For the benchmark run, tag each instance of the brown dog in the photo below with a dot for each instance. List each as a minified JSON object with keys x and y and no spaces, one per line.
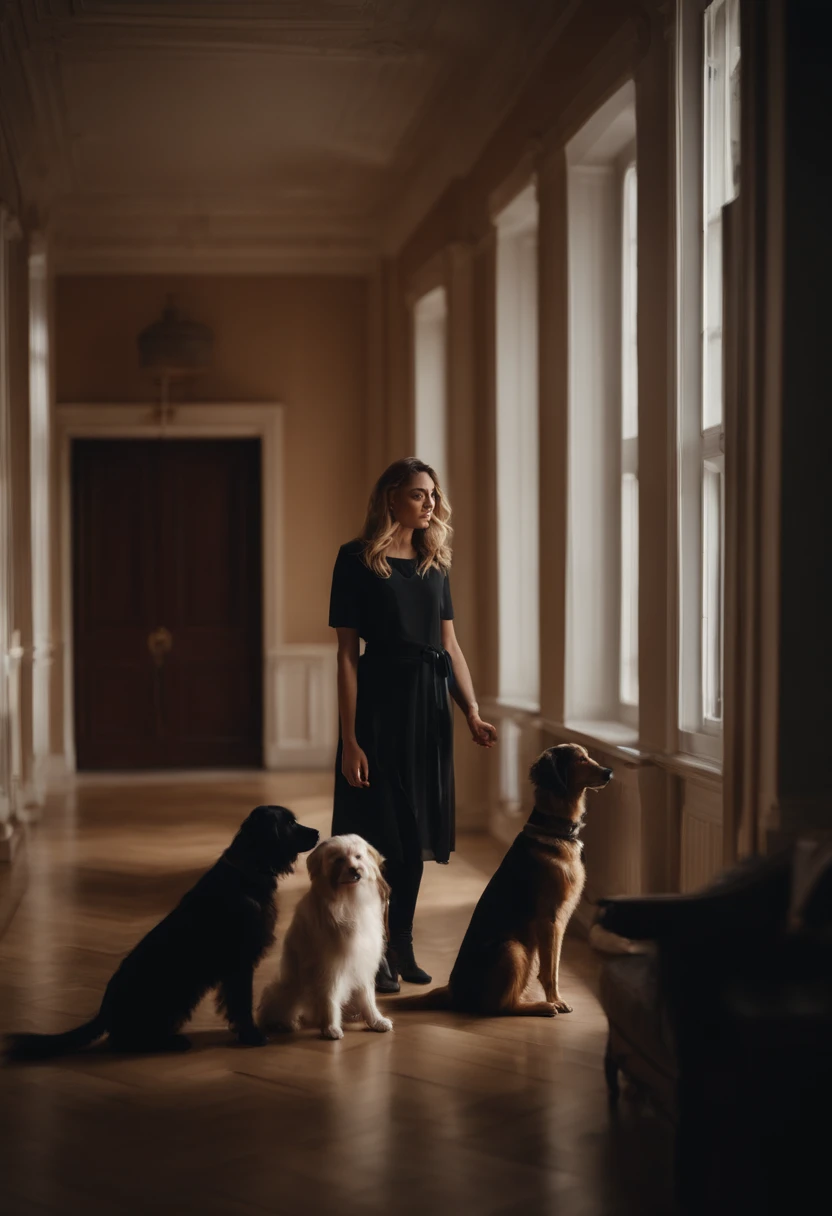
{"x":524,"y":910}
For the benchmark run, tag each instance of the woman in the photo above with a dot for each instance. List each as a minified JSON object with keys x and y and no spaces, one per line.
{"x":394,"y":778}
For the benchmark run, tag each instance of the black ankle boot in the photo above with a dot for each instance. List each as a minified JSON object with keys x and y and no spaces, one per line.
{"x":386,"y":980}
{"x":404,"y":964}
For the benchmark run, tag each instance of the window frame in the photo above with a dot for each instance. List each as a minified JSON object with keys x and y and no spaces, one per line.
{"x":628,"y":707}
{"x":700,"y":447}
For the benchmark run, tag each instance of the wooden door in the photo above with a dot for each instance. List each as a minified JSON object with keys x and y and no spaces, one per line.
{"x":167,"y":603}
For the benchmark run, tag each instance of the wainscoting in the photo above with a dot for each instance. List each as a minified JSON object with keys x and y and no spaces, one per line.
{"x":302,"y":706}
{"x":701,"y":835}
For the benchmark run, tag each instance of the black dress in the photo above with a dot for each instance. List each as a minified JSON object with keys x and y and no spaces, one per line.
{"x":403,"y":719}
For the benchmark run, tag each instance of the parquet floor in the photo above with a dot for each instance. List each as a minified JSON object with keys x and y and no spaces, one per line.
{"x":445,"y":1115}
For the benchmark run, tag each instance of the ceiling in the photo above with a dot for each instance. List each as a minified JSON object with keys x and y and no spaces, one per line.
{"x":253,"y":134}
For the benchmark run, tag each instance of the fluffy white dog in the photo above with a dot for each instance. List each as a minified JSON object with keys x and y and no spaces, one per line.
{"x":334,"y":944}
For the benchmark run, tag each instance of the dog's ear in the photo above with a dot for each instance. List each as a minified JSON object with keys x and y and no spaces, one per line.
{"x":376,"y":856}
{"x":315,"y":861}
{"x":550,"y":771}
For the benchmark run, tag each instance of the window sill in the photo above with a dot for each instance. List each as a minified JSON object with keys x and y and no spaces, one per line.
{"x":691,"y":768}
{"x":702,"y":746}
{"x":517,"y":705}
{"x":615,"y":738}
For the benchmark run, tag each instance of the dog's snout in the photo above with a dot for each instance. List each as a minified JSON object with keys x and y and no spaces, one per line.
{"x":309,"y":837}
{"x":607,"y":774}
{"x":354,"y":873}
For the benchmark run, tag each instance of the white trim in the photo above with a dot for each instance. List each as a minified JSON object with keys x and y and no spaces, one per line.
{"x":227,"y":420}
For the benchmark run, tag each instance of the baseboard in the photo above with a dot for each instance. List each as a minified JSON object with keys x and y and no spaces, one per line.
{"x":504,"y":825}
{"x":301,"y":759}
{"x":14,"y":872}
{"x":469,"y":818}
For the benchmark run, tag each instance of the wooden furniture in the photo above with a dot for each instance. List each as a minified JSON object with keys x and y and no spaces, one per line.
{"x":729,"y":1026}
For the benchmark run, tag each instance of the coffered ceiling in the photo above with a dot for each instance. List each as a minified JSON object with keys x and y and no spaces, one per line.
{"x":256,"y":134}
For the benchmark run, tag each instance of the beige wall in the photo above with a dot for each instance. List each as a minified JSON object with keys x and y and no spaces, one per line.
{"x":300,"y":341}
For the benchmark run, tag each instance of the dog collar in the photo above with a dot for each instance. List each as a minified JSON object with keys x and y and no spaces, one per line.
{"x":552,"y":827}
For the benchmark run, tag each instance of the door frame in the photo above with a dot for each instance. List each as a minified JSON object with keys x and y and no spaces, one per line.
{"x":225,"y":420}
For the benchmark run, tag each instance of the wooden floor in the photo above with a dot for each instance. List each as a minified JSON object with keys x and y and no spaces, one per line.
{"x":445,"y":1115}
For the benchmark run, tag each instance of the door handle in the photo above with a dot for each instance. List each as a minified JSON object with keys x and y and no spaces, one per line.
{"x":159,"y":643}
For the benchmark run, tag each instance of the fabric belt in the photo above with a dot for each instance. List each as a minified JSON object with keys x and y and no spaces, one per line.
{"x":434,"y":657}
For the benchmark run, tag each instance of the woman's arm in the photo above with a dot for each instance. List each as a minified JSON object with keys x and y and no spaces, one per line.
{"x":354,"y":764}
{"x":482,"y":733}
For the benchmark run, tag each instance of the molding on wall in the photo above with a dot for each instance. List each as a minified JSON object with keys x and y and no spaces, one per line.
{"x":301,"y":686}
{"x":701,"y":836}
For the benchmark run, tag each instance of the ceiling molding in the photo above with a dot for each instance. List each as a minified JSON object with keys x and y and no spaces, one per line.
{"x":232,"y":260}
{"x":307,"y":130}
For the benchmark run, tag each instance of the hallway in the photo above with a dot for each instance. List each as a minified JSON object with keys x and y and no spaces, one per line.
{"x":445,"y":1115}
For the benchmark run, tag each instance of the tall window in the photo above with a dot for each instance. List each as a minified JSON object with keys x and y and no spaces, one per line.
{"x":517,"y":451}
{"x":430,"y":381}
{"x":720,"y":182}
{"x":628,"y":658}
{"x":39,"y":468}
{"x":709,"y":109}
{"x":603,"y":541}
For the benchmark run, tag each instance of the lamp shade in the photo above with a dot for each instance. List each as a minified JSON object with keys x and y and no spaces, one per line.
{"x":174,"y":346}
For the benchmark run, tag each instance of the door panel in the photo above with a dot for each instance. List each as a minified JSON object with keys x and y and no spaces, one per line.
{"x":167,"y":536}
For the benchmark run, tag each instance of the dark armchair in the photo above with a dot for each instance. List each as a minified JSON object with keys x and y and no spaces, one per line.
{"x":728,"y":1026}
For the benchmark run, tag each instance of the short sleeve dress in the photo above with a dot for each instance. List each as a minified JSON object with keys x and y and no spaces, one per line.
{"x":403,"y":716}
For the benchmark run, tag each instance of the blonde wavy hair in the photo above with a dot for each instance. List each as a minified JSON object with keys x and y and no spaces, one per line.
{"x":433,"y":544}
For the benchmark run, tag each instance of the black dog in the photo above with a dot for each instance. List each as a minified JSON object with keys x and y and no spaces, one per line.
{"x":214,"y":938}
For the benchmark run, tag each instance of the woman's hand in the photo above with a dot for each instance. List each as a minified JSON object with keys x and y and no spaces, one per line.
{"x":354,"y":765}
{"x":483,"y":733}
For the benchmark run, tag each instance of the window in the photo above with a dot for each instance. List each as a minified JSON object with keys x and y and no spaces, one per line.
{"x":628,"y":653}
{"x":517,"y":452}
{"x":603,"y":524}
{"x":709,"y":166}
{"x":40,"y":395}
{"x":430,"y":381}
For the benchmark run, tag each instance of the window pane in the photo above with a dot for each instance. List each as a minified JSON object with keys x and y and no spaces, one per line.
{"x":713,"y":490}
{"x":720,"y":182}
{"x":517,"y":452}
{"x":629,"y":307}
{"x":430,"y":381}
{"x":629,"y":590}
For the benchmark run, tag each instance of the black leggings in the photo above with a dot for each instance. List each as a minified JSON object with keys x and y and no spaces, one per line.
{"x":405,"y":878}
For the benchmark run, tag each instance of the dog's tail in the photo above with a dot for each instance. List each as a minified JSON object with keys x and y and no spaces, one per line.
{"x":437,"y":998}
{"x":45,"y":1046}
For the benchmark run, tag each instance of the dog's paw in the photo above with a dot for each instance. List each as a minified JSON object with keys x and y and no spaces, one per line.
{"x":331,"y":1032}
{"x":381,"y":1025}
{"x":251,"y":1036}
{"x":285,"y":1027}
{"x":561,"y":1006}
